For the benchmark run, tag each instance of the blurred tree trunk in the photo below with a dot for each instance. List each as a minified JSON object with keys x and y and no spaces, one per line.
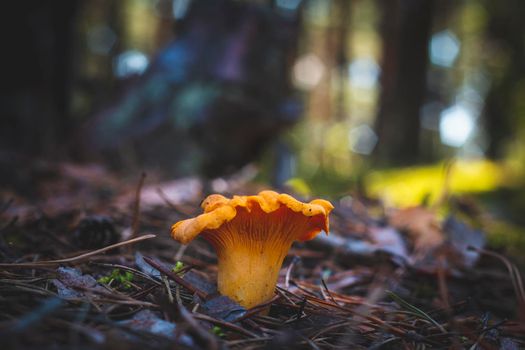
{"x":405,"y":29}
{"x":342,"y":10}
{"x":329,"y":41}
{"x":320,"y":101}
{"x":504,"y":105}
{"x":36,"y":74}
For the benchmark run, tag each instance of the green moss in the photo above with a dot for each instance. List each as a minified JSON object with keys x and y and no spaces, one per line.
{"x":178,"y":267}
{"x":123,"y":278}
{"x":218,"y":331}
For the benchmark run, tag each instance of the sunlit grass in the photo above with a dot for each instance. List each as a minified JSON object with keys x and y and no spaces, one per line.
{"x":411,"y":186}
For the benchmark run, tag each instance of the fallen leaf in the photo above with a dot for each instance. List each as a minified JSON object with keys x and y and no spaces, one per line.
{"x":148,"y":321}
{"x":422,"y":226}
{"x":147,"y":268}
{"x":223,"y":308}
{"x":461,"y":237}
{"x":71,"y":283}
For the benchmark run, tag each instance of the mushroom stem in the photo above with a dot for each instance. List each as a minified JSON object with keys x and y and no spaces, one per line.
{"x":250,"y":277}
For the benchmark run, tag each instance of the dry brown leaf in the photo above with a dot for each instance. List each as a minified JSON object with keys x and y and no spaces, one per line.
{"x":422,"y":226}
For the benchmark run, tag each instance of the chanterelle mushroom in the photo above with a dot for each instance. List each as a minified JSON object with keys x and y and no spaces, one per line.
{"x":252,"y":235}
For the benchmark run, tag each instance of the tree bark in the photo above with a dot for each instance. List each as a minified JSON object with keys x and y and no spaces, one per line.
{"x":504,"y":108}
{"x":405,"y":29}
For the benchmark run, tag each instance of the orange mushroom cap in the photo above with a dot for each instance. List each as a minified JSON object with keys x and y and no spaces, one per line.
{"x":252,"y":235}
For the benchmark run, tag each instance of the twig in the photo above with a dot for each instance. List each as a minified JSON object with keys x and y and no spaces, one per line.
{"x":172,"y":205}
{"x":327,"y":291}
{"x":375,"y":321}
{"x":145,"y":291}
{"x":225,"y":324}
{"x":415,"y":310}
{"x":168,"y":289}
{"x":177,"y":279}
{"x":79,"y":257}
{"x":180,"y":252}
{"x":136,"y":207}
{"x":241,"y":342}
{"x":289,"y":271}
{"x":126,"y":302}
{"x":300,"y":312}
{"x":190,"y":319}
{"x":442,"y":281}
{"x":515,"y":277}
{"x":331,"y":327}
{"x":166,"y":200}
{"x":256,"y":309}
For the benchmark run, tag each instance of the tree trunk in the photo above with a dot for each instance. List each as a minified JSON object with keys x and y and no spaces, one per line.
{"x":504,"y":107}
{"x":405,"y":29}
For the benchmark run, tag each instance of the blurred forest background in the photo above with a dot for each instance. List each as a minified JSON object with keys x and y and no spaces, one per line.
{"x":334,"y":95}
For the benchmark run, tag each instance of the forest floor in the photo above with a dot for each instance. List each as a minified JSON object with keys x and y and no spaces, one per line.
{"x":87,"y":262}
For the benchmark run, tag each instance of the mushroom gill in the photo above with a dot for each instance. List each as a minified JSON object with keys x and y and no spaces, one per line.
{"x":251,"y":236}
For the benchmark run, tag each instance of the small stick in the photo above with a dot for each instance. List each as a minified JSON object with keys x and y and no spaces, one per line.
{"x":376,"y":322}
{"x":256,"y":309}
{"x":166,"y":200}
{"x":327,"y":291}
{"x":224,"y":324}
{"x":172,"y":205}
{"x":136,"y":207}
{"x":81,"y":256}
{"x":515,"y":277}
{"x":168,"y":289}
{"x":177,"y":279}
{"x":180,"y":252}
{"x":190,"y":319}
{"x":442,"y":282}
{"x":289,"y":271}
{"x":300,"y":312}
